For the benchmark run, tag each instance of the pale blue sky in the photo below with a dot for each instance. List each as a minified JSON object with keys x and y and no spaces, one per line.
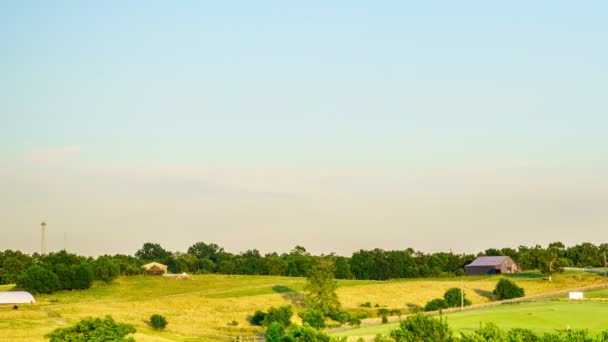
{"x":382,"y":103}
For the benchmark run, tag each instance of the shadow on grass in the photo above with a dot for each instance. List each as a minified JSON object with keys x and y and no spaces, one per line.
{"x":485,"y":293}
{"x":296,"y":298}
{"x":524,"y":275}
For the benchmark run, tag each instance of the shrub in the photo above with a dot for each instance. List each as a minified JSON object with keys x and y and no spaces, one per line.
{"x":257,"y":318}
{"x":313,"y":317}
{"x":158,"y":322}
{"x":354,"y":321}
{"x":274,"y":333}
{"x":423,"y":328}
{"x":94,"y":329}
{"x":384,"y":319}
{"x":383,"y":312}
{"x":459,"y":272}
{"x":523,"y":335}
{"x":506,"y":289}
{"x":453,"y":299}
{"x":436,"y":304}
{"x":38,"y":279}
{"x":306,"y":333}
{"x":233,"y":323}
{"x":341,"y":316}
{"x":281,"y":315}
{"x":366,"y":305}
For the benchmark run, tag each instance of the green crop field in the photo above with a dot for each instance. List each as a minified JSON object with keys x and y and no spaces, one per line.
{"x":200,"y":309}
{"x":542,"y":316}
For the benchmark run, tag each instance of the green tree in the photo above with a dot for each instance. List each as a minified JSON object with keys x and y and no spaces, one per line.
{"x":152,"y":252}
{"x":105,"y":269}
{"x":38,"y":279}
{"x":82,"y":276}
{"x":436,"y":304}
{"x":274,"y":333}
{"x":12,"y":265}
{"x":507,"y":289}
{"x":312,"y":317}
{"x":454,"y":298}
{"x":158,"y":322}
{"x":321,"y":289}
{"x":94,"y":329}
{"x":281,"y":315}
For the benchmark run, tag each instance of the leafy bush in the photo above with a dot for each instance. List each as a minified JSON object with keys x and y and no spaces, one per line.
{"x":233,"y":323}
{"x":384,"y":319}
{"x":341,"y":316}
{"x":94,"y":329}
{"x":281,"y":315}
{"x":257,"y":318}
{"x":314,"y":318}
{"x":158,"y":322}
{"x":366,"y":305}
{"x":306,"y":333}
{"x":38,"y":279}
{"x":436,"y":304}
{"x":523,"y":335}
{"x":354,"y":321}
{"x":453,"y":298}
{"x":274,"y":333}
{"x":423,"y":328}
{"x":506,"y":289}
{"x":459,"y":272}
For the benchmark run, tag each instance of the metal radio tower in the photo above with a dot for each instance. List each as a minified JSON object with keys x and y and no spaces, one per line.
{"x":43,"y":241}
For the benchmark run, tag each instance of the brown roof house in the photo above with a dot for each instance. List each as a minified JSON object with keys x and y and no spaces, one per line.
{"x":154,"y":268}
{"x":491,"y":265}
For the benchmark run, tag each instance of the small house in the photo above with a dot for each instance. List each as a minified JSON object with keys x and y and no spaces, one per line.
{"x":491,"y":265}
{"x":154,"y":268}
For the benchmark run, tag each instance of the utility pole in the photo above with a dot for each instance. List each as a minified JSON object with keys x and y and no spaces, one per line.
{"x":43,"y":239}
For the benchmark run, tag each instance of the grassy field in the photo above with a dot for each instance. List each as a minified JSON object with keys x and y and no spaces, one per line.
{"x":543,"y":316}
{"x":201,"y":309}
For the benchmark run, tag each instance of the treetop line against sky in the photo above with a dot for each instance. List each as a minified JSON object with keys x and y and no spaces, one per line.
{"x":335,"y":126}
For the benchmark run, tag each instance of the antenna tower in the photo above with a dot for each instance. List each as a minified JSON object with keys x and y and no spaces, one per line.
{"x":43,"y":240}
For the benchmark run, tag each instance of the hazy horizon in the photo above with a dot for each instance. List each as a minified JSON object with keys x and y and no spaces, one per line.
{"x":336,"y":126}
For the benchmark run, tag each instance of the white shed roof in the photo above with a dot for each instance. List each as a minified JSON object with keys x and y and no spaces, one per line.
{"x":16,"y":297}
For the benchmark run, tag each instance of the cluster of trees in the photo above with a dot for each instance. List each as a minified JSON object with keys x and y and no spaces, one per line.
{"x":55,"y":271}
{"x":73,"y":271}
{"x":425,"y":328}
{"x":376,"y":264}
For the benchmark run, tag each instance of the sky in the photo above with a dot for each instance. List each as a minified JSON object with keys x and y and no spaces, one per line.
{"x":339,"y":126}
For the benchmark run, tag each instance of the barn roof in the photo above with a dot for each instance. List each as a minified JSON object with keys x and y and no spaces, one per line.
{"x":16,"y":297}
{"x":155,"y":264}
{"x":488,"y":261}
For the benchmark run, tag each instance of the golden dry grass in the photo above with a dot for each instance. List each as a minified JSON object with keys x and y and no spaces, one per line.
{"x":200,"y":310}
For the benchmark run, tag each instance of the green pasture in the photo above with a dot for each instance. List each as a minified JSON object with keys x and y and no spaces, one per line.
{"x":542,"y":316}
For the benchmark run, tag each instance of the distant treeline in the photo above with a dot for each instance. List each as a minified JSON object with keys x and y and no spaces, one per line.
{"x":376,"y":264}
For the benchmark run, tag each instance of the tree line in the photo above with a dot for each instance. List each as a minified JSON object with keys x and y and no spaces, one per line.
{"x":73,"y":271}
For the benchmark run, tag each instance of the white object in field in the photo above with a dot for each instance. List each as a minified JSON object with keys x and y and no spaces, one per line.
{"x":16,"y":297}
{"x":576,"y":295}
